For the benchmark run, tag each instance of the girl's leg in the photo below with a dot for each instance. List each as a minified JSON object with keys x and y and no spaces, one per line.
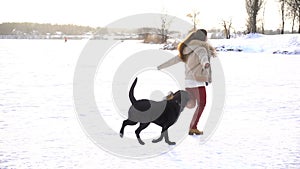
{"x":192,"y":102}
{"x":200,"y":95}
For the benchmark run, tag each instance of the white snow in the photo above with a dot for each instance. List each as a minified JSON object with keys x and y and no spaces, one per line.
{"x":259,"y":128}
{"x":280,"y":44}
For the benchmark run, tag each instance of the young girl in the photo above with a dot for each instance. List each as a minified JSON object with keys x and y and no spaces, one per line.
{"x":195,"y":52}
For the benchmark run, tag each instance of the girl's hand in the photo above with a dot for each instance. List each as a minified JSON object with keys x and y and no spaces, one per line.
{"x":207,"y":65}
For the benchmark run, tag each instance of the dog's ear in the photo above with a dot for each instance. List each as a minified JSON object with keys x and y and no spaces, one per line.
{"x":184,"y":96}
{"x":187,"y":96}
{"x":177,"y":94}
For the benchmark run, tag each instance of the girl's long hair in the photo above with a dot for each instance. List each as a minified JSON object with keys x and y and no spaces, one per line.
{"x":200,"y":34}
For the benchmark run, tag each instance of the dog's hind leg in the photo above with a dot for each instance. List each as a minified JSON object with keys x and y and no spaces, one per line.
{"x":138,"y":131}
{"x":159,"y":139}
{"x":125,"y":123}
{"x":162,"y":135}
{"x":166,"y":135}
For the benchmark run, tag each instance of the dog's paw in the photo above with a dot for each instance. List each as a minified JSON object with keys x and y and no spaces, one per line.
{"x":156,"y":140}
{"x":141,"y":142}
{"x":171,"y":143}
{"x":121,"y":135}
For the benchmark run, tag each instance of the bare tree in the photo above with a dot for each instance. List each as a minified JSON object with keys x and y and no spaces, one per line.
{"x":166,"y":21}
{"x":262,"y":18}
{"x":194,"y":17}
{"x":282,"y":10}
{"x":291,"y":14}
{"x":227,"y":27}
{"x":253,"y":7}
{"x":294,"y":6}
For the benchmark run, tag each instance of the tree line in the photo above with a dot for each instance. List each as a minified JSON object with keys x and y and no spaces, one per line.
{"x":15,"y":28}
{"x":42,"y":29}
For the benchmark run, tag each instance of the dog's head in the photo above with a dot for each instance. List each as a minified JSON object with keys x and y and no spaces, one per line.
{"x":181,"y":97}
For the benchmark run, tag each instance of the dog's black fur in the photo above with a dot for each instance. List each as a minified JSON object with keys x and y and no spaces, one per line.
{"x":164,"y":113}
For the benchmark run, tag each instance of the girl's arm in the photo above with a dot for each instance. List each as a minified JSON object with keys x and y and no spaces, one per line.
{"x":170,"y":62}
{"x":203,"y":57}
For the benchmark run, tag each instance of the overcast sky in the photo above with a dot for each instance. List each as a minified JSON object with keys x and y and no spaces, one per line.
{"x":102,"y":12}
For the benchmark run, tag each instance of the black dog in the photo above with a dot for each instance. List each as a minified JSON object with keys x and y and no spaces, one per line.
{"x":164,"y":113}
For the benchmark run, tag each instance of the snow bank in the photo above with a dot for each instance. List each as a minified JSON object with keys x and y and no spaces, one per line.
{"x":276,"y":44}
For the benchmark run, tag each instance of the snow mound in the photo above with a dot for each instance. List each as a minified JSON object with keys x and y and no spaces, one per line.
{"x":253,"y":35}
{"x":254,"y":43}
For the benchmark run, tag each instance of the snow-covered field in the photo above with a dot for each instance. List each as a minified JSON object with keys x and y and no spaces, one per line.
{"x":256,"y":43}
{"x":259,"y":128}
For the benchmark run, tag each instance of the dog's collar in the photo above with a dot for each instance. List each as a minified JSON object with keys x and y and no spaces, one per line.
{"x":170,"y":96}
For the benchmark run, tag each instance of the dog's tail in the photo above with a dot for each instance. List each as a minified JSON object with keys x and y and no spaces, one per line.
{"x":131,"y":96}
